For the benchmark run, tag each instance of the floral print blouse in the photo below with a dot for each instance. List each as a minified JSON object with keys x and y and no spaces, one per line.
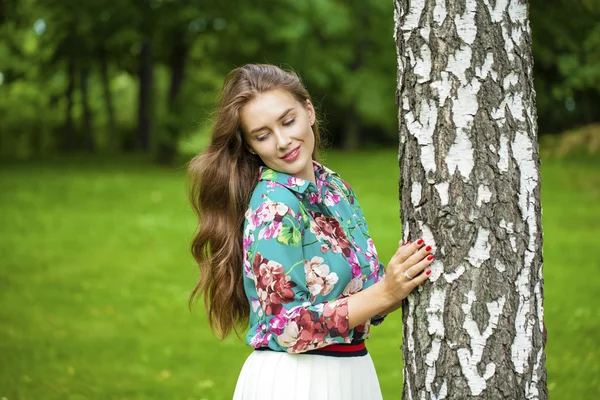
{"x":306,"y":249}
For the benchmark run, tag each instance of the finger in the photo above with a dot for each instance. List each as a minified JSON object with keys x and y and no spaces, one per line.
{"x":418,"y":256}
{"x":408,"y":251}
{"x":420,"y":266}
{"x":396,"y":258}
{"x":419,"y":279}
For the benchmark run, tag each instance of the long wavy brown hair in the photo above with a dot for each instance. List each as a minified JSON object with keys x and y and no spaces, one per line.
{"x":221,"y":181}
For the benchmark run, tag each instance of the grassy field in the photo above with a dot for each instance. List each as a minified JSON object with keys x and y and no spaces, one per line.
{"x":95,"y":274}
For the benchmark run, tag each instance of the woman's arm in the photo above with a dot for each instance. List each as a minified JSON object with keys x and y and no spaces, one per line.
{"x":374,"y":302}
{"x":386,"y":295}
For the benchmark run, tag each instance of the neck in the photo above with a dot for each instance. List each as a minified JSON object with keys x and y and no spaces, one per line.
{"x":308,"y":174}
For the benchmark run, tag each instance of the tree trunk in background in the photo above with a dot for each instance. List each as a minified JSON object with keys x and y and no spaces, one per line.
{"x":146,"y":82}
{"x":470,"y":187}
{"x":113,"y":140}
{"x":351,"y":134}
{"x":88,"y":129}
{"x":167,"y":143}
{"x":68,"y":135}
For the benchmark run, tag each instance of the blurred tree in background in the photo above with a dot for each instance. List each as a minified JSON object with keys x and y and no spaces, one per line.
{"x":143,"y":75}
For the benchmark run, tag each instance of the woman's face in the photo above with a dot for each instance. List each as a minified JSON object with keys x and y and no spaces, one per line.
{"x":278,"y":129}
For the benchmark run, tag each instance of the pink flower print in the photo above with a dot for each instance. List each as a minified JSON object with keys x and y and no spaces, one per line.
{"x":313,"y":198}
{"x":281,"y":209}
{"x":356,"y":269}
{"x":336,"y":317}
{"x":271,"y":214}
{"x":354,"y":286}
{"x":270,"y":231}
{"x":278,"y":323}
{"x":375,"y":267}
{"x":263,"y":297}
{"x":255,"y":304}
{"x":312,"y":327}
{"x":324,"y":248}
{"x":247,"y":241}
{"x":248,"y":267}
{"x":293,"y":181}
{"x":282,"y":293}
{"x":271,"y":184}
{"x":256,"y":340}
{"x":329,"y":229}
{"x":289,"y":336}
{"x":266,"y":211}
{"x":252,"y":218}
{"x":319,"y":279}
{"x":322,"y":182}
{"x":272,"y":279}
{"x":261,"y":338}
{"x":371,"y":252}
{"x":295,"y":311}
{"x":335,"y":247}
{"x":331,"y":198}
{"x":268,"y":270}
{"x":273,"y":287}
{"x":312,"y":330}
{"x":330,"y":281}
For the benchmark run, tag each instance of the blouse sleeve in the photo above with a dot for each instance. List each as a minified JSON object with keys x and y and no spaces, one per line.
{"x":377,"y":269}
{"x":277,"y":284}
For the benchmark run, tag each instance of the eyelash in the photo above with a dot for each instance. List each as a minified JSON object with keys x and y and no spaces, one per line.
{"x":286,"y":123}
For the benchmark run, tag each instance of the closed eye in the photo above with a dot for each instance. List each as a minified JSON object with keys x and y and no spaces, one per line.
{"x":262,"y":137}
{"x":289,"y":122}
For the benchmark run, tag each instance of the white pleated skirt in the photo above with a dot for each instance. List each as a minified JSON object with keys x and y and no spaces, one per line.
{"x":274,"y":375}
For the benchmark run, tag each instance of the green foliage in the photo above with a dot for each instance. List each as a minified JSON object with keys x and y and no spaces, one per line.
{"x":566,"y":50}
{"x":344,"y":51}
{"x":96,"y":273}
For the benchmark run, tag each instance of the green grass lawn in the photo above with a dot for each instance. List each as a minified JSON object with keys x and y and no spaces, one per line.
{"x":95,"y":275}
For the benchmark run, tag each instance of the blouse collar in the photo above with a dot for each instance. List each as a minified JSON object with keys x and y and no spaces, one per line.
{"x":298,"y":185}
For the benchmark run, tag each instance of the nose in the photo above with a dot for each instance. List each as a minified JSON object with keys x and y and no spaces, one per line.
{"x":283,"y":141}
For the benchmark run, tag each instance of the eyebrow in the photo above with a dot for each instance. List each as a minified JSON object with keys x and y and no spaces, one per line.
{"x":278,"y":119}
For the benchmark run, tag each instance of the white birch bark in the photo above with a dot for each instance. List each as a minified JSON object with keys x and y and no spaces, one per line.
{"x":470,"y":187}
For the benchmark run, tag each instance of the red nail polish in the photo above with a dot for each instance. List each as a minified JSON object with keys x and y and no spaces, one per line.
{"x":428,"y":272}
{"x":427,"y":248}
{"x":430,"y":257}
{"x":420,"y":241}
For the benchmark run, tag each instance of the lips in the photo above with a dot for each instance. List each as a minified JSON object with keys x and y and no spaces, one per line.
{"x":291,"y":155}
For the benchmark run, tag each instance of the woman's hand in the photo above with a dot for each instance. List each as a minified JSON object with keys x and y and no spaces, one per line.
{"x":404,"y":273}
{"x":405,"y":270}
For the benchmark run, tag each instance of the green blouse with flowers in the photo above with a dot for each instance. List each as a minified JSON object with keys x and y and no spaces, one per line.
{"x":306,"y":249}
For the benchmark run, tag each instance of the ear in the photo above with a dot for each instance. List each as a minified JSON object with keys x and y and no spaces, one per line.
{"x":312,"y":115}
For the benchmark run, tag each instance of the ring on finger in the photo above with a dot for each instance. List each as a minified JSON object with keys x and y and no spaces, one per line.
{"x":407,"y":276}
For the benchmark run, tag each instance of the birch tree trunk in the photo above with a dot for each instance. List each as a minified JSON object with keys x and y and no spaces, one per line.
{"x":470,"y":187}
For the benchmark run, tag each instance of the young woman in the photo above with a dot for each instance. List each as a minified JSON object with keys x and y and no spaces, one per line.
{"x":283,"y":247}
